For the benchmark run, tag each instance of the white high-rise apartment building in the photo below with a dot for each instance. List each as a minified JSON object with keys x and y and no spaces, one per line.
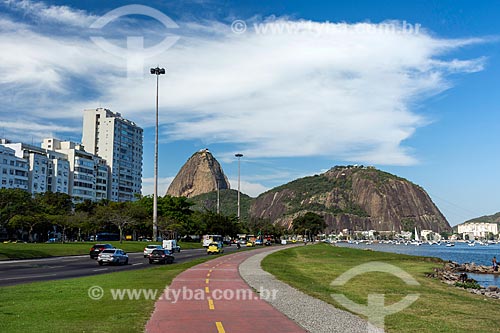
{"x":59,"y":173}
{"x":13,"y":170}
{"x":88,"y":174}
{"x":119,"y":142}
{"x":38,"y":164}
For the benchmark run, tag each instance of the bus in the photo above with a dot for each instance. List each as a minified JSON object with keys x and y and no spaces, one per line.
{"x":107,"y":236}
{"x":207,"y":239}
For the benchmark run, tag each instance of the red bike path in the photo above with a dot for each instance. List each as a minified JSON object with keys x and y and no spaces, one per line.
{"x":212,"y":297}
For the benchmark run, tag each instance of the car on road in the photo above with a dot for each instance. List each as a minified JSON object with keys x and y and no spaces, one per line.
{"x":98,"y":248}
{"x":161,"y":256}
{"x":215,"y":248}
{"x":268,"y":243}
{"x":250,"y":244}
{"x":258,"y":242}
{"x":112,"y":257}
{"x":150,"y":248}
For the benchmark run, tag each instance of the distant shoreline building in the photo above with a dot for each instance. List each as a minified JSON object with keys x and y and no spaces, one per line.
{"x":119,"y":142}
{"x":477,"y":230}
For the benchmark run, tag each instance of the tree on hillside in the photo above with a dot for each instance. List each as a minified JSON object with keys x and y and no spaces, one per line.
{"x":196,"y":224}
{"x":118,"y":214}
{"x":220,"y":224}
{"x":13,"y":202}
{"x":175,"y":208}
{"x":264,"y":227}
{"x":174,"y":214}
{"x":85,"y":211}
{"x":69,"y":222}
{"x":408,"y":224}
{"x":310,"y":222}
{"x":28,"y":223}
{"x":54,"y":209}
{"x":54,"y":203}
{"x":86,"y":206}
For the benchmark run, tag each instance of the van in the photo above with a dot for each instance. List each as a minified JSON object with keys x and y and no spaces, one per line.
{"x":171,"y":244}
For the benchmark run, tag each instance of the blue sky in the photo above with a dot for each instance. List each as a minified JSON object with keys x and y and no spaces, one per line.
{"x":296,"y":86}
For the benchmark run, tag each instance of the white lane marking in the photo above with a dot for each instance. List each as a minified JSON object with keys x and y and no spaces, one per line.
{"x":99,"y":269}
{"x":140,"y":263}
{"x":4,"y":262}
{"x":27,"y":277}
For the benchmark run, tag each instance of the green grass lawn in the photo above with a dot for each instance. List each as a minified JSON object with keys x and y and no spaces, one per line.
{"x":64,"y":305}
{"x":42,"y":250}
{"x":439,"y":308}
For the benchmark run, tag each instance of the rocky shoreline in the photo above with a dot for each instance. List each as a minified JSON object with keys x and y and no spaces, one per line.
{"x":455,"y":274}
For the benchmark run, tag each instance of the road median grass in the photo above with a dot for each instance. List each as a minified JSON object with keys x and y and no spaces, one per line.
{"x":439,"y":307}
{"x":67,"y":306}
{"x":10,"y":251}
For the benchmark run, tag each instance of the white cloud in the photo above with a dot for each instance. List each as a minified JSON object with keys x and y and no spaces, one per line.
{"x":31,"y":131}
{"x":163,"y":184}
{"x":346,"y":94}
{"x":248,"y":188}
{"x":52,"y":14}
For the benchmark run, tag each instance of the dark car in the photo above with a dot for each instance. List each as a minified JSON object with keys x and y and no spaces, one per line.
{"x":162,"y":256}
{"x":268,"y":243}
{"x":98,"y":248}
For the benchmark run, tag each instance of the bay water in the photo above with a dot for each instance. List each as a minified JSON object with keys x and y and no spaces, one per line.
{"x":460,"y":253}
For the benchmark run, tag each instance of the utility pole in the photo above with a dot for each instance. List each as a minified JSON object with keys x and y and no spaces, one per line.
{"x":239,"y":157}
{"x":156,"y":71}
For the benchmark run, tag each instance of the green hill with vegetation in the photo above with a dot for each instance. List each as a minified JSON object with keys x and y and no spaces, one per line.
{"x":228,"y":203}
{"x":353,"y":198}
{"x":495,"y":218}
{"x":348,"y":197}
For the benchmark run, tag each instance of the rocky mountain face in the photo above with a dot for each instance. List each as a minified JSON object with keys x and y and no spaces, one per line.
{"x":356,"y":198}
{"x":200,"y":174}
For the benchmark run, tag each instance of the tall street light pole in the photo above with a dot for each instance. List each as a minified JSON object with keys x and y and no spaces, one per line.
{"x":238,"y":156}
{"x":156,"y":71}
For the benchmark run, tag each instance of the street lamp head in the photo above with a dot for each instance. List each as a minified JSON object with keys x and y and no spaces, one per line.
{"x":157,"y":71}
{"x":238,"y":155}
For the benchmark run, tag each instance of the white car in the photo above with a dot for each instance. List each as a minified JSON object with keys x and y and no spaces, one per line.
{"x":112,"y":256}
{"x":150,"y":248}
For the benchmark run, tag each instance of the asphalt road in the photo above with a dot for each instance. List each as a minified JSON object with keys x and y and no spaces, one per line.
{"x":14,"y":272}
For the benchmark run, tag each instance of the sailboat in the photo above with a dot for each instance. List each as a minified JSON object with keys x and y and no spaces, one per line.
{"x":417,"y":238}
